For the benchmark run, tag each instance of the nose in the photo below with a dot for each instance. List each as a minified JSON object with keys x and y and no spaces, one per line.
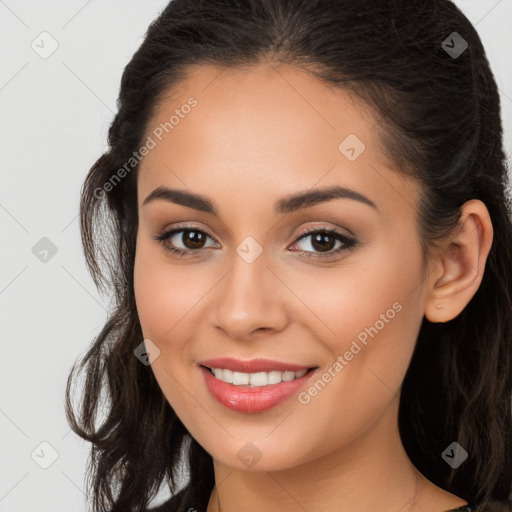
{"x":250,"y":298}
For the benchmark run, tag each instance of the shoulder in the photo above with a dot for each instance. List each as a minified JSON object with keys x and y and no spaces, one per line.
{"x":192,"y":498}
{"x":175,"y":502}
{"x":171,"y":505}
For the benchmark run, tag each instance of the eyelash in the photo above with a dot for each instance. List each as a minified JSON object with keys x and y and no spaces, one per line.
{"x":349,"y":244}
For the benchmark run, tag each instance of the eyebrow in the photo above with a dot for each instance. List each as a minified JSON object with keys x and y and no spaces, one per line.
{"x":288,"y":204}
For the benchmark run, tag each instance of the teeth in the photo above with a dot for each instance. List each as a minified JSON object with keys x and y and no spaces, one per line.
{"x":258,"y":379}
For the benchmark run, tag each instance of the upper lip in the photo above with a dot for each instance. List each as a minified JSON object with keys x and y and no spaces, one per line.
{"x":252,"y":365}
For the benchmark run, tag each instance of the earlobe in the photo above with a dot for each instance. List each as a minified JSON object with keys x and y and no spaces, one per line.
{"x":462,"y":259}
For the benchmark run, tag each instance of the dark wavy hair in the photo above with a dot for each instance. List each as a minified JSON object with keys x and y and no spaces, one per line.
{"x":438,"y":120}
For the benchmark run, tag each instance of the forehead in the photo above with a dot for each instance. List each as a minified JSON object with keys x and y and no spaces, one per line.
{"x":267,"y":108}
{"x":264,"y":132}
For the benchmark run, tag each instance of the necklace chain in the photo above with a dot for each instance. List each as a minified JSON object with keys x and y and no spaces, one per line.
{"x":415,"y":494}
{"x":413,"y":503}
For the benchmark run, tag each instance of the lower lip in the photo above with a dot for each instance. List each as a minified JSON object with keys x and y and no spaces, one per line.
{"x":252,"y":399}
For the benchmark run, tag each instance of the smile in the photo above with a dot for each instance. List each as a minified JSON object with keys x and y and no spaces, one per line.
{"x":253,"y":391}
{"x":258,"y":379}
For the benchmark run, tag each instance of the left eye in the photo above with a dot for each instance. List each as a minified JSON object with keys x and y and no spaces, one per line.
{"x":193,"y":241}
{"x":322,"y":240}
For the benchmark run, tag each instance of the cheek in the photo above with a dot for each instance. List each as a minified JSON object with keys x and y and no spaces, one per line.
{"x":165,"y":293}
{"x":368,"y":312}
{"x":378,"y":287}
{"x":149,"y":288}
{"x":169,"y":297}
{"x":369,"y":317}
{"x":163,"y":297}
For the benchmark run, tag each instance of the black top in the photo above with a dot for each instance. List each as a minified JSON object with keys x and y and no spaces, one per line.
{"x":192,"y":504}
{"x":196,"y":497}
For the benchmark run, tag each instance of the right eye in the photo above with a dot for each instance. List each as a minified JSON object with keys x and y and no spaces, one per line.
{"x":192,"y":239}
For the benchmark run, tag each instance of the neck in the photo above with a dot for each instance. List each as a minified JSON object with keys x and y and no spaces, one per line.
{"x":372,"y":473}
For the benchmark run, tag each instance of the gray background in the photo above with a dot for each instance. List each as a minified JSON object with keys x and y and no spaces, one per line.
{"x":55,"y":114}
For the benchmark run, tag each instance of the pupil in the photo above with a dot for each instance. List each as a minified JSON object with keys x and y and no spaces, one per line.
{"x":321,"y":242}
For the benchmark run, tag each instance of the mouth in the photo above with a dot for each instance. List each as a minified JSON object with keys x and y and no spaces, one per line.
{"x":253,"y":391}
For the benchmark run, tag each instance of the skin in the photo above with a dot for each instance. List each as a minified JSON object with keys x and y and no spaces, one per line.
{"x":256,"y":136}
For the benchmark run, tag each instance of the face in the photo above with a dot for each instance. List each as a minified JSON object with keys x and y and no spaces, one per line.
{"x":333,"y":285}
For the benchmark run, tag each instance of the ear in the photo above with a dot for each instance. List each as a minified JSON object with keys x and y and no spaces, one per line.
{"x":459,"y":264}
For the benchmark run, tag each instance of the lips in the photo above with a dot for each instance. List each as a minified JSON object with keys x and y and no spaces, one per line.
{"x":245,"y":399}
{"x":252,"y":366}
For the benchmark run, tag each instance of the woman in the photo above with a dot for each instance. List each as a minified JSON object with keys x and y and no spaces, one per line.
{"x":302,"y":216}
